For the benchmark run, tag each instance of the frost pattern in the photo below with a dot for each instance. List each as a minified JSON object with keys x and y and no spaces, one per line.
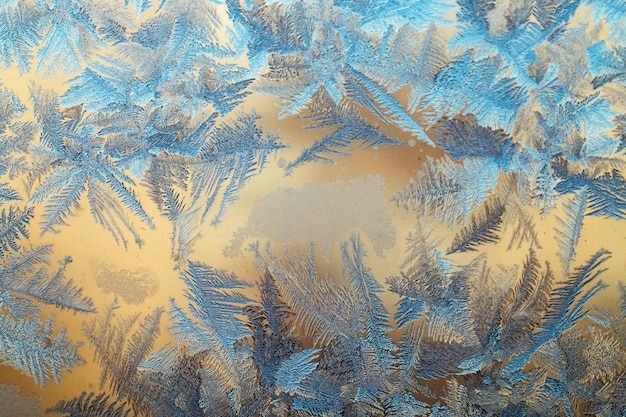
{"x":520,"y":104}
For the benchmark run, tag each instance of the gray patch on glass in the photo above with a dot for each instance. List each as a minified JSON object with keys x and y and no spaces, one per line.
{"x":320,"y":214}
{"x":13,"y":404}
{"x":131,"y":286}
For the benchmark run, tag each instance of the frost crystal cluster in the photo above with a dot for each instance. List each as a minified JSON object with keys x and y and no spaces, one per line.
{"x":161,"y":118}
